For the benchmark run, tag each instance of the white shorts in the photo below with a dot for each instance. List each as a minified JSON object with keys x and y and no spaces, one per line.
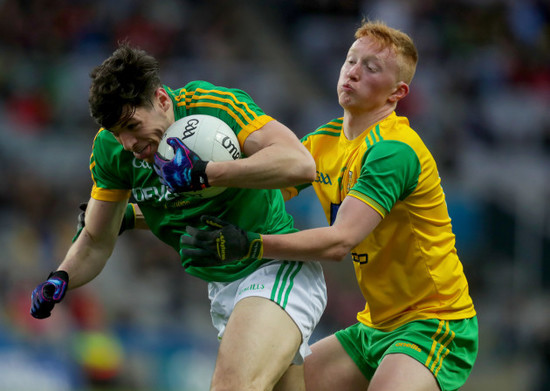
{"x":298,"y":287}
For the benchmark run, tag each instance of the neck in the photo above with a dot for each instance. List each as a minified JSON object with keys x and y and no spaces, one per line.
{"x":356,"y":123}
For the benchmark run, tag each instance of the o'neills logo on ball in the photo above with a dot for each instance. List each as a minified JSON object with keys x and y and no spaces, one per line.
{"x":231,"y":148}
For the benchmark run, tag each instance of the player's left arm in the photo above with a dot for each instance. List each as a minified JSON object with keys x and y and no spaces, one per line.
{"x":275,"y":159}
{"x":354,"y":222}
{"x":225,"y":242}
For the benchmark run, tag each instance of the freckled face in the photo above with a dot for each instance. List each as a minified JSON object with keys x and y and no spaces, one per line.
{"x":368,"y":76}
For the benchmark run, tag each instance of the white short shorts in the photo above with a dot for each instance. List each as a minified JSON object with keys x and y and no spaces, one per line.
{"x":298,"y":287}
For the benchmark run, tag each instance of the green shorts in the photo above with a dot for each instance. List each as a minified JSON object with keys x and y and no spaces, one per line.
{"x":447,"y":348}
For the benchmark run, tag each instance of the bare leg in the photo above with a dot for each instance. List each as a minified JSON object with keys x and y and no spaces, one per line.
{"x":292,"y":380}
{"x":258,"y":345}
{"x":399,"y":372}
{"x":330,"y":368}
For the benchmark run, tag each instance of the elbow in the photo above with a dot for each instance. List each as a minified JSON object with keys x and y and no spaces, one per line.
{"x":339,"y":244}
{"x":338,"y":253}
{"x":306,"y":171}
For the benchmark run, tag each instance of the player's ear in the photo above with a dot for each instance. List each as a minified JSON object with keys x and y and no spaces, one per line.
{"x":401,"y":90}
{"x":163,"y":99}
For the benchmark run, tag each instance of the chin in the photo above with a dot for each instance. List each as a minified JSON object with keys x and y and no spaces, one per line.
{"x":343,"y":102}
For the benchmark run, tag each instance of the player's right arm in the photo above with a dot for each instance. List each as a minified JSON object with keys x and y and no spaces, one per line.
{"x":275,"y":159}
{"x":86,"y":257}
{"x":91,"y":250}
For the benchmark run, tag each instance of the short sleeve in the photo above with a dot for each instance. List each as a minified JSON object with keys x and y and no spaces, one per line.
{"x":389,"y":173}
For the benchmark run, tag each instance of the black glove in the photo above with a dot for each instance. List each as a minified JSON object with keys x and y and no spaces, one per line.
{"x":128,"y":221}
{"x":47,"y":294}
{"x":222,"y":244}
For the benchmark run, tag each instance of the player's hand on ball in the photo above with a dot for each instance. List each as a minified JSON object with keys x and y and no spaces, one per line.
{"x":47,"y":294}
{"x":222,"y":243}
{"x":185,"y":172}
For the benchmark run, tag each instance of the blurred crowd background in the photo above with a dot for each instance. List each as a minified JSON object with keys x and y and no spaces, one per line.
{"x":480,"y":100}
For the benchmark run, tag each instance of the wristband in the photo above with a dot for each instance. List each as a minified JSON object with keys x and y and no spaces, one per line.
{"x":199,"y":179}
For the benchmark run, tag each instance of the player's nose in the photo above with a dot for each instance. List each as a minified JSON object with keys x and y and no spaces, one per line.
{"x":353,"y":72}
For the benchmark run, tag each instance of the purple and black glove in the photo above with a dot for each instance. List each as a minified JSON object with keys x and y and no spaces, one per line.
{"x":46,"y":295}
{"x":185,"y":172}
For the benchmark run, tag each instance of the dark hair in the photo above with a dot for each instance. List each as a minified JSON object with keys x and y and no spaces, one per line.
{"x":124,"y":81}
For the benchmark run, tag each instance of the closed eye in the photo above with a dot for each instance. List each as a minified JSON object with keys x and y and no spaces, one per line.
{"x":372,"y":66}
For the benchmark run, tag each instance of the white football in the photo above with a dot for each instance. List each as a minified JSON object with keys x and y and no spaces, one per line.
{"x":207,"y":136}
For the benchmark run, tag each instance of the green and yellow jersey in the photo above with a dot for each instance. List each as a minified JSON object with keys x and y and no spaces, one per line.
{"x":407,"y":268}
{"x":117,"y":175}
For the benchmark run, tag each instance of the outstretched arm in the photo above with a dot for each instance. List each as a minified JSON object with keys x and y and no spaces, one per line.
{"x":354,"y":222}
{"x":93,"y":247}
{"x":225,"y":242}
{"x":86,"y":256}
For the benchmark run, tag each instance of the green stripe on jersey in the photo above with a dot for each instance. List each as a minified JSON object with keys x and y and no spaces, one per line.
{"x":373,"y":137}
{"x":333,"y":128}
